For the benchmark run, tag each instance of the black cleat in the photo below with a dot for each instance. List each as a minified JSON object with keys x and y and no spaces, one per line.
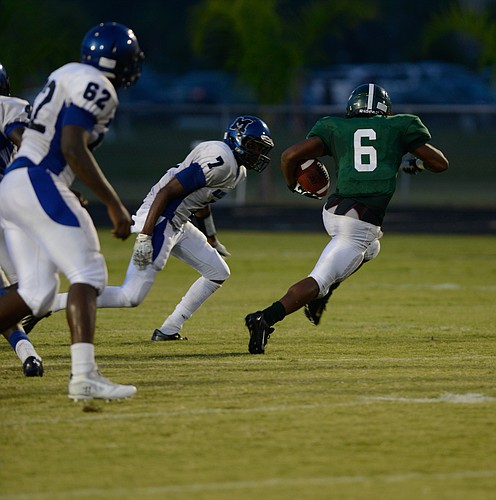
{"x":30,"y":321}
{"x":315,"y":308}
{"x":158,"y":335}
{"x":33,"y":367}
{"x":259,"y":332}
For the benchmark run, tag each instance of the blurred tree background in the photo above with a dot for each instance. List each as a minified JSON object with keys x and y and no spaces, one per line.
{"x":275,"y":48}
{"x":268,"y":44}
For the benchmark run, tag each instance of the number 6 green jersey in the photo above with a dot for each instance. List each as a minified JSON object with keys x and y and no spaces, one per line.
{"x":368,"y":153}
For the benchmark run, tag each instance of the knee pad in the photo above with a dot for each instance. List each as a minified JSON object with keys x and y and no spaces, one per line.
{"x":372,"y":251}
{"x":218,"y":271}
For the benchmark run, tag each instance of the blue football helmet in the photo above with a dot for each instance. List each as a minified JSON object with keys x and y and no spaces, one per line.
{"x":113,"y":49}
{"x":4,"y":81}
{"x":249,"y":139}
{"x":368,"y":100}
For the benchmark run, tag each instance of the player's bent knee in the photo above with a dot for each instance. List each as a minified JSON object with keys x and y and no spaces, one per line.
{"x":372,"y":251}
{"x":217,"y":273}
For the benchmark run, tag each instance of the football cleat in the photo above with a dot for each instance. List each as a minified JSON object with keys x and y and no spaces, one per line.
{"x":30,"y":321}
{"x":32,"y":367}
{"x":93,"y":385}
{"x":315,"y":308}
{"x":259,"y":332}
{"x":158,"y":335}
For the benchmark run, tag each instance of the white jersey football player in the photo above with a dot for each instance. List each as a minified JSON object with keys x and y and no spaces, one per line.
{"x":208,"y":173}
{"x":46,"y":229}
{"x":14,"y":117}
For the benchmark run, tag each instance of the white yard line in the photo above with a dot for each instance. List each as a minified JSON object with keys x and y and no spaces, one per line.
{"x":99,"y":413}
{"x":260,"y":484}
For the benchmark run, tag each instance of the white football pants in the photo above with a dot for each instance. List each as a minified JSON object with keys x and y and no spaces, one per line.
{"x":189,"y":245}
{"x":352,"y":242}
{"x":40,"y":242}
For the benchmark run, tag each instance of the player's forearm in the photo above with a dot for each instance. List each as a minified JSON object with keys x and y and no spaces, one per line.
{"x":432,"y":158}
{"x":156,"y":209}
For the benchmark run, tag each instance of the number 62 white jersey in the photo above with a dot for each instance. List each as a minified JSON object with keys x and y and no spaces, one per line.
{"x":75,"y":94}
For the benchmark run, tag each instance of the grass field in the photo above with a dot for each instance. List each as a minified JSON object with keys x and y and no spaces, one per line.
{"x":393,"y":396}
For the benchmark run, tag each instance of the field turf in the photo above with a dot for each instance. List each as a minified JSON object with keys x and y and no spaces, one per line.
{"x":393,"y":396}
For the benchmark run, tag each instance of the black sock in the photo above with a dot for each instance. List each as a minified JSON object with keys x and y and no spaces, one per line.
{"x":274,"y":313}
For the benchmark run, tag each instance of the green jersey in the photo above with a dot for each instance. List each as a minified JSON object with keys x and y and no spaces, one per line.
{"x":368,"y":153}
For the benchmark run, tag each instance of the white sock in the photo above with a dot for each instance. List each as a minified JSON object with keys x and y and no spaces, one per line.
{"x":197,"y":294}
{"x":24,"y":349}
{"x":82,"y":358}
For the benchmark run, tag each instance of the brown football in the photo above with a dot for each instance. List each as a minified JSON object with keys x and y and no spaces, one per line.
{"x":313,"y":177}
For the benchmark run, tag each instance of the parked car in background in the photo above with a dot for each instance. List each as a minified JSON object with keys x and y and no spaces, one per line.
{"x":427,"y":82}
{"x":195,"y":87}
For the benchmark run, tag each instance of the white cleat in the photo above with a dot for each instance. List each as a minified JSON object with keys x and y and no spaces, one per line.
{"x":92,"y":385}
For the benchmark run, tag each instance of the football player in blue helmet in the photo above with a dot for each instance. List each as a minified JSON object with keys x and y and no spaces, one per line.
{"x":4,"y":81}
{"x":368,"y":99}
{"x":71,"y":112}
{"x":113,"y":49}
{"x":249,"y":139}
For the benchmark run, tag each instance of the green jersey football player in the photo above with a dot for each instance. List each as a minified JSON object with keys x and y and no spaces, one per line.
{"x":368,"y":146}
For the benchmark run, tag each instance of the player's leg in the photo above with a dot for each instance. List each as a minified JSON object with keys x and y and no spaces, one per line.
{"x":193,"y":249}
{"x":350,"y":239}
{"x":21,"y":344}
{"x":16,"y":336}
{"x":316,"y":307}
{"x":72,"y":245}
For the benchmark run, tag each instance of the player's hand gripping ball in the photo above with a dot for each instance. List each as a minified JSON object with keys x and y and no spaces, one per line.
{"x":312,"y":179}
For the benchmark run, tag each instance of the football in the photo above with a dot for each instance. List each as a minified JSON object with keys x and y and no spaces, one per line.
{"x":313,"y":177}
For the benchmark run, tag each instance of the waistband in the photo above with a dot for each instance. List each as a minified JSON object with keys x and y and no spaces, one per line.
{"x":344,"y":205}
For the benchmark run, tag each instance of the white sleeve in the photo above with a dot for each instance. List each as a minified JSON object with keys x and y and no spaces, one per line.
{"x":13,"y":110}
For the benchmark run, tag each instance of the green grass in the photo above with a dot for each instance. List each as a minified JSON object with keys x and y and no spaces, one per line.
{"x":393,"y":396}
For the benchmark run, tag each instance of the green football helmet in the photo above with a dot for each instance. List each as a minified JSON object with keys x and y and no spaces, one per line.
{"x":368,"y":100}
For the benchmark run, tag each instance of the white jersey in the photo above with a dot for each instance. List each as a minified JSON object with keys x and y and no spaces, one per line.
{"x":207,"y":174}
{"x":75,"y":94}
{"x":14,"y":113}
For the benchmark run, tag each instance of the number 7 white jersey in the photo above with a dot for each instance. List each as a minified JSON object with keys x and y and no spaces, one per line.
{"x":75,"y":94}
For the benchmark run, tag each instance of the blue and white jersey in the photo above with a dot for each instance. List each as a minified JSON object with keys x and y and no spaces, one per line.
{"x":207,"y":174}
{"x":14,"y":113}
{"x":75,"y":94}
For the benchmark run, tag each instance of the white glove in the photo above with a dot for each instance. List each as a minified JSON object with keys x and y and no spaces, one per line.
{"x":143,"y":251}
{"x":221,"y":248}
{"x":412,"y":166}
{"x":296,"y":188}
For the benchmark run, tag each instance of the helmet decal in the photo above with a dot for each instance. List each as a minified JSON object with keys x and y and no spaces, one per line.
{"x":241,"y":124}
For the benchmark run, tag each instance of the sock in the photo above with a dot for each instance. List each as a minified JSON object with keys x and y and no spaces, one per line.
{"x":22,"y":346}
{"x":197,"y":294}
{"x":82,"y":358}
{"x":274,"y":313}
